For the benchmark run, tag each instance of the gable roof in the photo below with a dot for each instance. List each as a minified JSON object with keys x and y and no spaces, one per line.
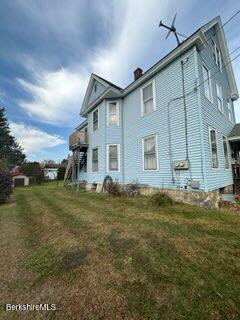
{"x":197,"y":38}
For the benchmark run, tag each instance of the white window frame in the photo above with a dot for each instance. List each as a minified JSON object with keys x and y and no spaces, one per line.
{"x":154,"y":97}
{"x":210,"y":146}
{"x":118,"y":151}
{"x":94,"y":171}
{"x":226,"y":139}
{"x":97,"y":109}
{"x":117,"y":113}
{"x":156,"y":148}
{"x":217,"y":55}
{"x":221,"y":97}
{"x":230,"y":110}
{"x":209,"y":81}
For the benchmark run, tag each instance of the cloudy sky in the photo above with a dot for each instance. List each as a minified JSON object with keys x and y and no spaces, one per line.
{"x":49,"y":48}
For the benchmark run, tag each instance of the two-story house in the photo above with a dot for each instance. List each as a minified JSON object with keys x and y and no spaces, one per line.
{"x":172,"y":127}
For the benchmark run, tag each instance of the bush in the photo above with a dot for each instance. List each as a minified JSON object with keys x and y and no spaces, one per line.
{"x":161,"y":199}
{"x":5,"y":186}
{"x":115,"y":189}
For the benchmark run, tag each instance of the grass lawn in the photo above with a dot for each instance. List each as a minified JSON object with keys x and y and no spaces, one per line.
{"x":99,"y":257}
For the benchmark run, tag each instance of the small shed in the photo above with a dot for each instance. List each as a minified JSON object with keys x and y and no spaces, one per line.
{"x":20,"y":180}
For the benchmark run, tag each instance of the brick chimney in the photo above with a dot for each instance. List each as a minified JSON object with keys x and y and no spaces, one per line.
{"x":137,"y":73}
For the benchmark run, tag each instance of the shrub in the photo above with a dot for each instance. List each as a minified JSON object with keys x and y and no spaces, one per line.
{"x":161,"y":199}
{"x":115,"y":189}
{"x":5,"y":186}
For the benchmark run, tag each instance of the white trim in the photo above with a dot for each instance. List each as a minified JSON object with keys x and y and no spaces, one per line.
{"x":117,"y":113}
{"x":93,"y":148}
{"x":210,"y":147}
{"x":221,"y":92}
{"x":96,"y":109}
{"x":234,"y":138}
{"x":153,"y":97}
{"x":229,"y":160}
{"x":119,"y":160}
{"x":204,"y":65}
{"x":229,"y":102}
{"x":156,"y":148}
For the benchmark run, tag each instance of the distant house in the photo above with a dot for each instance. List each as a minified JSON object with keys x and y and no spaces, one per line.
{"x":50,"y":171}
{"x":173,"y":126}
{"x":20,"y":179}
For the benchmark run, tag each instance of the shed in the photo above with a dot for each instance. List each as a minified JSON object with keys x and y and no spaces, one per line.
{"x":20,"y":180}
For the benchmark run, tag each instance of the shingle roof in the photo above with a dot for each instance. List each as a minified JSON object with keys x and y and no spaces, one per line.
{"x":235,"y":131}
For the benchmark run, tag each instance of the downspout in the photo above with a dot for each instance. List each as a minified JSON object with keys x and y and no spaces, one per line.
{"x":203,"y":163}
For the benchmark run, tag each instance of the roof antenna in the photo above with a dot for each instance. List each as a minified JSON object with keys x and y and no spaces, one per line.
{"x":171,"y":29}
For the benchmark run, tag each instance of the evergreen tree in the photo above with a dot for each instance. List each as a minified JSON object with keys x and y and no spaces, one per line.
{"x":10,"y":151}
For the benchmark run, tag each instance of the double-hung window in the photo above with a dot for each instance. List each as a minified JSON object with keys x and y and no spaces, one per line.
{"x":213,"y":147}
{"x":94,"y":159}
{"x":230,"y":113}
{"x":149,"y":145}
{"x":112,"y":114}
{"x":113,"y":154}
{"x":225,"y":152}
{"x":206,"y":81}
{"x":148,"y":103}
{"x":219,"y":98}
{"x":95,"y":120}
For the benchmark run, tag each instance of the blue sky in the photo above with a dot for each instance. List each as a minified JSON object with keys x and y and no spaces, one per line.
{"x":49,"y":49}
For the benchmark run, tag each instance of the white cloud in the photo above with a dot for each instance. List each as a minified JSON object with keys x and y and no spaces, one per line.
{"x":56,"y":96}
{"x":34,"y":140}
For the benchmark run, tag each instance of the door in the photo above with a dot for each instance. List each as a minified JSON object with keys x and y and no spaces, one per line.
{"x":19,"y":182}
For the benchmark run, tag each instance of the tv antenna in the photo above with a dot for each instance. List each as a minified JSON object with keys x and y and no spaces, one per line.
{"x":172,"y":29}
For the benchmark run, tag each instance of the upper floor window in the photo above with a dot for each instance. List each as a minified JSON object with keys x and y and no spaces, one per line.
{"x":230,"y":111}
{"x":213,"y":147}
{"x":217,"y":55}
{"x":113,"y":154}
{"x":207,"y":84}
{"x":225,"y":152}
{"x":149,"y":145}
{"x":219,"y":98}
{"x":95,"y":87}
{"x":95,"y":159}
{"x":148,"y":101}
{"x":112,"y":114}
{"x":95,"y":120}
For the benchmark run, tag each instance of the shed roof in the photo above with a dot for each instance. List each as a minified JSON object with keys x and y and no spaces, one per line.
{"x":235,"y":131}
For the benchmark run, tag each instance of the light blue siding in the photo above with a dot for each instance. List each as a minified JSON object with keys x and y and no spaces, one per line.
{"x":211,"y":116}
{"x":94,"y":94}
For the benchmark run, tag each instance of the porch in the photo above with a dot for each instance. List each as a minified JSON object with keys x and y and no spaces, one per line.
{"x":234,"y":140}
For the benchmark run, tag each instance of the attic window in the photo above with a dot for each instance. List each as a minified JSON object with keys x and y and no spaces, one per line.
{"x":217,"y":55}
{"x":95,"y":87}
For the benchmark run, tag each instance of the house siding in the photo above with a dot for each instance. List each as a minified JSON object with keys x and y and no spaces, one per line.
{"x":211,"y":116}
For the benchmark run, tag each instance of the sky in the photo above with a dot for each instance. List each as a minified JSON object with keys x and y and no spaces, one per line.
{"x":49,"y":48}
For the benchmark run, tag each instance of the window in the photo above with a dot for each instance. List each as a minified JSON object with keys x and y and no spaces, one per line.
{"x":219,"y":98}
{"x":113,"y":114}
{"x":148,"y":98}
{"x":95,"y":120}
{"x":149,"y":153}
{"x":225,"y":152}
{"x":207,"y":85}
{"x":113,"y":157}
{"x":95,"y":159}
{"x":213,"y":147}
{"x":95,"y":87}
{"x":229,"y":106}
{"x":217,"y":55}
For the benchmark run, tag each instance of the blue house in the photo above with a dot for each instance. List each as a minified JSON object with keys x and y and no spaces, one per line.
{"x":172,"y":127}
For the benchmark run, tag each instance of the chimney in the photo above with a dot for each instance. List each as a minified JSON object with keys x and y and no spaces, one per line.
{"x":137,"y":73}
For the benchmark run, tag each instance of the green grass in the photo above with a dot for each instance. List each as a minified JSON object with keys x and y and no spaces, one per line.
{"x":101,"y":257}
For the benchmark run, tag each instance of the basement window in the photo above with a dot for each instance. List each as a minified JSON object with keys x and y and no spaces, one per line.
{"x":213,"y":147}
{"x":95,"y":160}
